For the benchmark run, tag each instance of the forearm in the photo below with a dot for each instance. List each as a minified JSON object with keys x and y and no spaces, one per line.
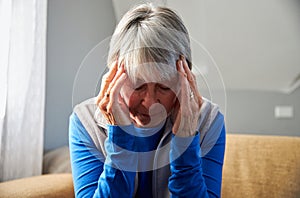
{"x":186,"y":173}
{"x":117,"y":178}
{"x":195,"y":175}
{"x":95,"y":175}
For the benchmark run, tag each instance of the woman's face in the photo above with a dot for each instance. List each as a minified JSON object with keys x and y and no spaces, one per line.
{"x":149,"y":103}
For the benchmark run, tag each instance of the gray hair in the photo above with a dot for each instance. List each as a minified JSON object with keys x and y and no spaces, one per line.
{"x":150,"y":38}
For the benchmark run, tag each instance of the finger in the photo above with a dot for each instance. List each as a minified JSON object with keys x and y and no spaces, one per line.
{"x":185,"y":87}
{"x":183,"y":81}
{"x":112,"y":72}
{"x":102,"y":103}
{"x":120,"y":71}
{"x":187,"y":70}
{"x":115,"y":91}
{"x":103,"y":108}
{"x":180,"y":69}
{"x":184,"y":98}
{"x":107,"y":78}
{"x":193,"y":83}
{"x":190,"y":76}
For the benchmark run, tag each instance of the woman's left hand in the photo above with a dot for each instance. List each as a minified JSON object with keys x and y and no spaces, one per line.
{"x":187,"y":108}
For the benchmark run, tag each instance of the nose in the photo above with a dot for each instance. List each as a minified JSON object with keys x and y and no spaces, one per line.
{"x":150,"y":97}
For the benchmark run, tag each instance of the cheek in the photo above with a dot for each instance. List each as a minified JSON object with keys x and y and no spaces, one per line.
{"x":168,"y":101}
{"x":126,"y":93}
{"x":133,"y":100}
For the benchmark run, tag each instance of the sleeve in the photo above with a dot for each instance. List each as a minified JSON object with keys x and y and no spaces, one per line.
{"x":93,"y":174}
{"x":193,"y":175}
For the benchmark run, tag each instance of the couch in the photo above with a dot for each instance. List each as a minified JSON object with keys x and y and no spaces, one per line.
{"x":254,"y":166}
{"x":261,"y":166}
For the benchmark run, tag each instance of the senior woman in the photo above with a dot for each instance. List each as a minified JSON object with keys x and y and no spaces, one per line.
{"x":148,"y":133}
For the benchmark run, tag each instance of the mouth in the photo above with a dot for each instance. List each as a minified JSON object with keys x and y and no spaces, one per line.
{"x":152,"y":114}
{"x":149,"y":118}
{"x":141,"y":118}
{"x":143,"y":115}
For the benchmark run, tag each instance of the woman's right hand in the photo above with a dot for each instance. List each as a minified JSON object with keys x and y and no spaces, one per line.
{"x":109,"y":101}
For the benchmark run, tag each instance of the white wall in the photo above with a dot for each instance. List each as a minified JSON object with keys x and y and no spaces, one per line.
{"x":252,"y":112}
{"x":74,"y":28}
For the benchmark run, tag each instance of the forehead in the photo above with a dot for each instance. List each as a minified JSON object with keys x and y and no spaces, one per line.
{"x":152,"y":72}
{"x":168,"y":82}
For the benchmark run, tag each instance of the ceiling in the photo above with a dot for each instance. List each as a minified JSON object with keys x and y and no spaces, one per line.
{"x":248,"y":45}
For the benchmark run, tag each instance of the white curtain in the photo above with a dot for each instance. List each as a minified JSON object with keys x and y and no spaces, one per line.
{"x":22,"y":87}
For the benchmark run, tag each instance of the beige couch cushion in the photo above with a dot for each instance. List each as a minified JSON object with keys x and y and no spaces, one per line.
{"x":261,"y":166}
{"x":48,"y":186}
{"x":57,"y":161}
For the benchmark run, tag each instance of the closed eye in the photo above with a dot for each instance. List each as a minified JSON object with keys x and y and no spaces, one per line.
{"x":142,"y":87}
{"x":163,"y":87}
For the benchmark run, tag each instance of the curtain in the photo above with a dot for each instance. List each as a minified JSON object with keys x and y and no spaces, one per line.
{"x":22,"y":87}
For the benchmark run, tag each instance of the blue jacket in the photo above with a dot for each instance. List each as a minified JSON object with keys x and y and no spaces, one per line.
{"x":114,"y":161}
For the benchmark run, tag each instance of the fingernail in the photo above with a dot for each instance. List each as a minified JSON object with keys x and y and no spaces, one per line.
{"x":181,"y":65}
{"x":124,"y":76}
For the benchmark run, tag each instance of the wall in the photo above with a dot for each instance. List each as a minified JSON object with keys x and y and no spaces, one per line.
{"x":74,"y":28}
{"x":252,"y":112}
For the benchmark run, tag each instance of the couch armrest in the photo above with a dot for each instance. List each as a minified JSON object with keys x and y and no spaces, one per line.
{"x":52,"y":185}
{"x":261,"y":166}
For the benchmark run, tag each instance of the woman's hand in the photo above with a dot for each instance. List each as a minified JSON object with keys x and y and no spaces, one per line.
{"x":109,"y":100}
{"x":187,"y":108}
